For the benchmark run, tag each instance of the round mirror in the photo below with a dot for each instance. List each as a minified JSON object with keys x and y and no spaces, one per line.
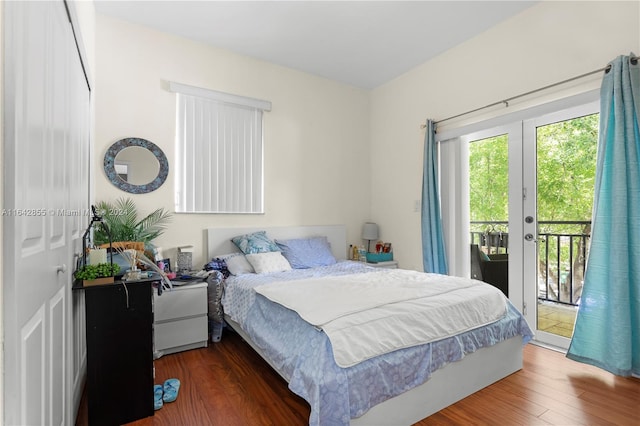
{"x":136,"y":165}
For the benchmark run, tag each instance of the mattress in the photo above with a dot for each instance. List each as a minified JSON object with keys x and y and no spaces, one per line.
{"x":304,"y":356}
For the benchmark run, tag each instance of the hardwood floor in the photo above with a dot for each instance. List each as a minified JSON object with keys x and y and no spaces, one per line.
{"x":228,"y":384}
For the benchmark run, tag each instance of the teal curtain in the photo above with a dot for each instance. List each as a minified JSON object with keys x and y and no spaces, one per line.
{"x":433,"y":252}
{"x":607,"y":329}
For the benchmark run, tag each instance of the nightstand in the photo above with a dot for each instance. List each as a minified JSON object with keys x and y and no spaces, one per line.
{"x":389,"y":264}
{"x":180,"y":319}
{"x":119,"y":328}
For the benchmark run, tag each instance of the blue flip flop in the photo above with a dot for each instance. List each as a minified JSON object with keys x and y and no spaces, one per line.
{"x":157,"y":397}
{"x":171,"y":388}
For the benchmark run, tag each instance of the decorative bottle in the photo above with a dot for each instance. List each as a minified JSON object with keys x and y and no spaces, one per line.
{"x":362,"y":254}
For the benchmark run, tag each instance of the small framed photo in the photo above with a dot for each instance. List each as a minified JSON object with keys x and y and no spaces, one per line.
{"x":165,"y":264}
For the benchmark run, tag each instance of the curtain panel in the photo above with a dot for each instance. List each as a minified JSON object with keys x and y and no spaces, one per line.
{"x":433,"y":250}
{"x":607,"y":328}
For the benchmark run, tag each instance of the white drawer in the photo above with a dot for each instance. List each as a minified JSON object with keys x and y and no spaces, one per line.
{"x":181,"y":302}
{"x":179,"y":333}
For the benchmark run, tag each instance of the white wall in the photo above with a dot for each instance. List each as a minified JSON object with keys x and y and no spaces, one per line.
{"x":316,"y":137}
{"x":547,"y":43}
{"x":1,"y":207}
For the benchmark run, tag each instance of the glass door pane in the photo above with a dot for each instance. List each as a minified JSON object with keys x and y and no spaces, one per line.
{"x":492,"y":189}
{"x":489,"y":210}
{"x":558,"y":199}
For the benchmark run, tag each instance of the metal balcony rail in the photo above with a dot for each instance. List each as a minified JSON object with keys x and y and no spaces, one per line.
{"x":562,"y":252}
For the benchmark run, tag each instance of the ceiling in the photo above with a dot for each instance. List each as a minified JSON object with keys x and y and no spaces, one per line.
{"x":360,"y":43}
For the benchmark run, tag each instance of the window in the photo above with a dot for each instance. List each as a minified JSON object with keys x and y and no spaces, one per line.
{"x":219,"y":152}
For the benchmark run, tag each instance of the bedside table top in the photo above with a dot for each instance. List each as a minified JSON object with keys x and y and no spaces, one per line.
{"x":77,"y":284}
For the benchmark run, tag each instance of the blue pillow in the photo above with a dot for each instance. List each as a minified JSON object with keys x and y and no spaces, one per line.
{"x":303,"y":253}
{"x":256,"y":242}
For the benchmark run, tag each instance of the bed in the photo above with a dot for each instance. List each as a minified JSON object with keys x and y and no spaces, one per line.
{"x":401,"y":387}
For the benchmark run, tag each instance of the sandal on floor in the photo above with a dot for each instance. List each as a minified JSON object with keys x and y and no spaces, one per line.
{"x":171,"y":388}
{"x":157,"y":397}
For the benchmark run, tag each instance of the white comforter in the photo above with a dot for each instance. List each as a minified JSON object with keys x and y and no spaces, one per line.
{"x":369,"y":314}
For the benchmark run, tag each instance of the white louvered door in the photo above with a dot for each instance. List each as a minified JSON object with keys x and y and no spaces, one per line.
{"x":45,"y":200}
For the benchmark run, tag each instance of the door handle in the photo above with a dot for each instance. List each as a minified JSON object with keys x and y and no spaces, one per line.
{"x":529,"y":237}
{"x":61,"y":268}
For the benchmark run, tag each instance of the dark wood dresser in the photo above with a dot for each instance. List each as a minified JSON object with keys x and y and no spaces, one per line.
{"x":119,"y":328}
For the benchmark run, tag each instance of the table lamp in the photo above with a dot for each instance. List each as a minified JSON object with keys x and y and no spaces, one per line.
{"x":369,"y":232}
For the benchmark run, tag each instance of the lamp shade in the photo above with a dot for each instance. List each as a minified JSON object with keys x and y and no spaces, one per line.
{"x":370,"y":231}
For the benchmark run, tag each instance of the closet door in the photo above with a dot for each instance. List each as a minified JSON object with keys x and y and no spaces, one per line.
{"x":46,"y":102}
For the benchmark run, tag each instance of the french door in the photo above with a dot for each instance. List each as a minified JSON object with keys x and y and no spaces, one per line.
{"x":530,"y":190}
{"x":558,"y":173}
{"x":495,"y":157}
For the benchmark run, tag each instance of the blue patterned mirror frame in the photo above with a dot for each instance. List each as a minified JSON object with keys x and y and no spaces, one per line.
{"x":110,"y":169}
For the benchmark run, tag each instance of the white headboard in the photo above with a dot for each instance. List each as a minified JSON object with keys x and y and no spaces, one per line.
{"x":219,"y":239}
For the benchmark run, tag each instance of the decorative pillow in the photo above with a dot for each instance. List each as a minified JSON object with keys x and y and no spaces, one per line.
{"x":237,"y":263}
{"x":264,"y":263}
{"x":256,"y":242}
{"x":305,"y":253}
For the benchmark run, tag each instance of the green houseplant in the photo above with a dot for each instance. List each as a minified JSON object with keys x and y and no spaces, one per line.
{"x":101,"y":273}
{"x":101,"y":270}
{"x":122,"y":219}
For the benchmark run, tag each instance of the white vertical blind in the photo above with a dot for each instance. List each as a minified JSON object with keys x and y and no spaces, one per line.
{"x":219,"y":167}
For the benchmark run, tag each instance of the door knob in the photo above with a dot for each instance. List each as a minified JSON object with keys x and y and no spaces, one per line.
{"x":61,"y":268}
{"x":529,"y":237}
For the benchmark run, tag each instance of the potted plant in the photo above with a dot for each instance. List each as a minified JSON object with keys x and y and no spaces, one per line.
{"x":101,"y":273}
{"x":122,"y":218}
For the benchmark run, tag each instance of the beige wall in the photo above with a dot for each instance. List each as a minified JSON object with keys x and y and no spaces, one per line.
{"x":547,"y":43}
{"x":333,"y":153}
{"x":1,"y":207}
{"x":316,"y":137}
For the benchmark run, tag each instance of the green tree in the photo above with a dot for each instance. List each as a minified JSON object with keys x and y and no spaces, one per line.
{"x":489,"y":182}
{"x":565,"y":166}
{"x":566,"y":170}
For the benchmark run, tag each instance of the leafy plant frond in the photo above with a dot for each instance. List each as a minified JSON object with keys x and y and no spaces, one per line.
{"x":121,"y":217}
{"x":154,"y":224}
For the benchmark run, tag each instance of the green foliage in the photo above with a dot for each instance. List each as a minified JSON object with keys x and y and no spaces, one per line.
{"x":566,"y":173}
{"x":91,"y":272}
{"x":489,"y":180}
{"x":566,"y":170}
{"x":121,"y":217}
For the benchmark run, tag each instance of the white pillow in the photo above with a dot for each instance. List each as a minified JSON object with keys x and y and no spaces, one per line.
{"x":264,"y":263}
{"x":237,"y":263}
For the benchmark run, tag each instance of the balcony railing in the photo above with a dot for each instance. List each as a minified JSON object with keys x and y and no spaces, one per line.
{"x":562,"y":252}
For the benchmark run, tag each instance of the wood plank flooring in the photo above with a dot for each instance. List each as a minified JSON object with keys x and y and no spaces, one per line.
{"x":228,"y":384}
